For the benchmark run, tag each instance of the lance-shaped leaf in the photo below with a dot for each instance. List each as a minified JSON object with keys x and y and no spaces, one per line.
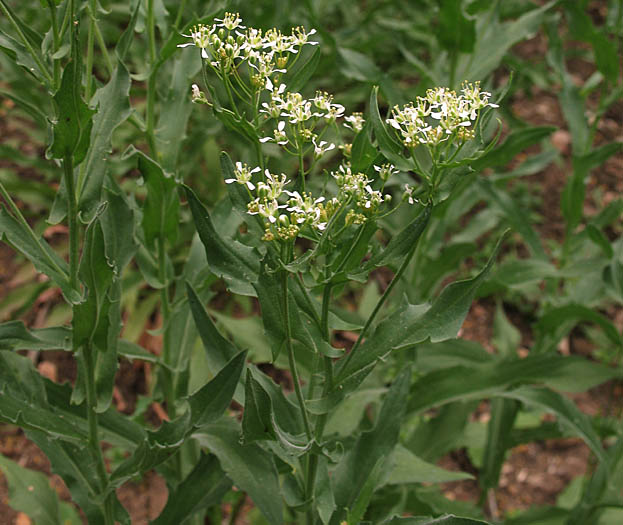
{"x":390,"y":148}
{"x":448,"y":519}
{"x":515,"y":143}
{"x":113,"y":108}
{"x":23,"y":400}
{"x":205,"y":406}
{"x":237,"y":264}
{"x":463,"y":383}
{"x":412,"y":324}
{"x":363,"y":153}
{"x":72,"y":128}
{"x":204,"y":486}
{"x":78,"y":468}
{"x":455,"y":31}
{"x":250,"y":467}
{"x":15,"y":336}
{"x":259,"y":421}
{"x":39,"y":252}
{"x":402,"y":243}
{"x":96,"y":321}
{"x":161,"y":208}
{"x":297,"y":76}
{"x":373,"y":446}
{"x":30,"y":492}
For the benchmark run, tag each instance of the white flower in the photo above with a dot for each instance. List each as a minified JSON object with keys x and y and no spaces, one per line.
{"x":322,"y":147}
{"x":230,"y":21}
{"x":355,"y":122}
{"x":243,"y":175}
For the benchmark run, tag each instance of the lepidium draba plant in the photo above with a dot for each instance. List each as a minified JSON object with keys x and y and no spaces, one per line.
{"x":309,"y":234}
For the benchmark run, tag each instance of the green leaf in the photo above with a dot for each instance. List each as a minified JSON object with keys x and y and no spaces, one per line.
{"x":176,"y":108}
{"x":495,"y":39}
{"x":113,"y":108}
{"x":443,"y":520}
{"x":406,"y":467}
{"x":239,"y":265}
{"x":297,"y":76}
{"x":363,"y":152}
{"x":455,"y":31}
{"x":556,"y":322}
{"x":463,"y":383}
{"x":72,"y":128}
{"x":23,"y":400}
{"x":78,"y":468}
{"x":390,"y":148}
{"x":564,"y":409}
{"x":402,"y":243}
{"x":371,"y":447}
{"x":410,"y":325}
{"x":250,"y":467}
{"x":205,"y":486}
{"x":96,"y":321}
{"x":39,"y":252}
{"x":358,"y":66}
{"x":30,"y":492}
{"x":515,"y":143}
{"x":515,"y":216}
{"x":206,"y":405}
{"x":161,"y":208}
{"x":256,"y":420}
{"x":15,"y":336}
{"x":499,"y":428}
{"x":506,"y":337}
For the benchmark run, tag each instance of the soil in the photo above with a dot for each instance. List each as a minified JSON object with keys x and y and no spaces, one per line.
{"x":533,"y":474}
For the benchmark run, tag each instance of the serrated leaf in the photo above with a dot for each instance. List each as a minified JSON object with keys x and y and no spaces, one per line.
{"x":250,"y":467}
{"x":239,"y":265}
{"x":30,"y":492}
{"x":113,"y":108}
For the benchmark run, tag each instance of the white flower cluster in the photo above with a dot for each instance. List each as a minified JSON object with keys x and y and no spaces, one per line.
{"x":227,"y":44}
{"x":303,"y":115}
{"x":286,"y":213}
{"x":357,"y":187}
{"x":440,"y":115}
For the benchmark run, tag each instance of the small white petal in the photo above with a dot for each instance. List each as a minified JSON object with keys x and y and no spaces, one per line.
{"x":250,"y":185}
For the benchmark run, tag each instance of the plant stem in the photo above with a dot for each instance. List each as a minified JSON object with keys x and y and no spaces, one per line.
{"x":379,"y":304}
{"x":291,"y":359}
{"x":72,"y":213}
{"x":180,"y":12}
{"x":57,"y":42}
{"x":94,"y":442}
{"x":89,"y":64}
{"x":151,"y":81}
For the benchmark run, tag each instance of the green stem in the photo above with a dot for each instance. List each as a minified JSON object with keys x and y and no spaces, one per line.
{"x":72,"y":214}
{"x":150,"y":117}
{"x":89,"y":61}
{"x":291,"y":359}
{"x":94,"y":441}
{"x":379,"y":305}
{"x":27,"y":44}
{"x":102,"y":46}
{"x":180,"y":12}
{"x":57,"y":42}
